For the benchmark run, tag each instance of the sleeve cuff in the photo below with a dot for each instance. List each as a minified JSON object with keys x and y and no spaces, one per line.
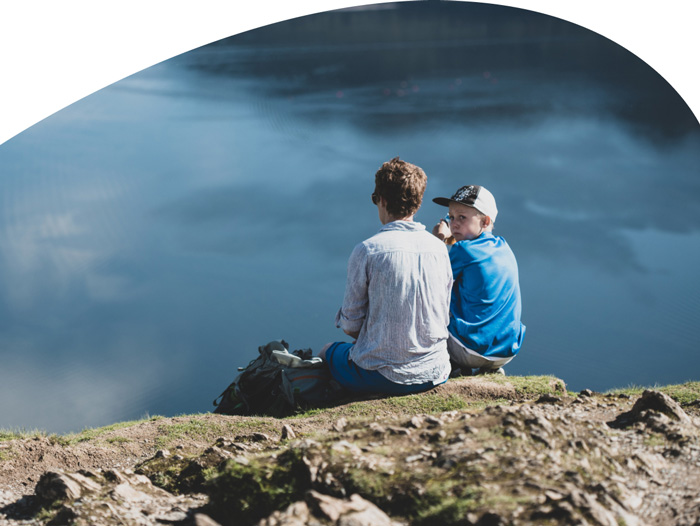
{"x":342,"y":322}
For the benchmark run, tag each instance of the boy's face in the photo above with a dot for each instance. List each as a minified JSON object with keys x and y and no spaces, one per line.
{"x":465,"y":222}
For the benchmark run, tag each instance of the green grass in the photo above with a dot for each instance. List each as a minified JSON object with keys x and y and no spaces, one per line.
{"x":91,"y":434}
{"x":526,"y":387}
{"x":423,"y":403}
{"x":188,"y":429}
{"x":531,"y":386}
{"x":117,"y":440}
{"x":7,"y":435}
{"x":195,"y":427}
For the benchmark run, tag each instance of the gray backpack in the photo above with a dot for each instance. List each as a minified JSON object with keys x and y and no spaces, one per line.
{"x":277,"y":383}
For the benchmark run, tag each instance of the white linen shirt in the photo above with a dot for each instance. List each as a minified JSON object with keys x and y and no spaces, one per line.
{"x":397,"y":296}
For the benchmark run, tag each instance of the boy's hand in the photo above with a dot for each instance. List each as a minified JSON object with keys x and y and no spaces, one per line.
{"x":442,"y":231}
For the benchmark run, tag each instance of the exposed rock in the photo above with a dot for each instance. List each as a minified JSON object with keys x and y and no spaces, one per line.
{"x":649,"y":407}
{"x":340,"y":425}
{"x":416,"y":422}
{"x":548,"y":399}
{"x":53,"y":486}
{"x":354,"y":511}
{"x":287,"y":433}
{"x":552,"y":460}
{"x":432,"y":421}
{"x":204,"y":520}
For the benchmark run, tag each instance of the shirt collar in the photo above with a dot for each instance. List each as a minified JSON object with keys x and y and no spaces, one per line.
{"x":405,"y":226}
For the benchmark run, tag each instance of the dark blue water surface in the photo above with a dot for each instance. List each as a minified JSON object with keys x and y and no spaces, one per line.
{"x":154,"y":234}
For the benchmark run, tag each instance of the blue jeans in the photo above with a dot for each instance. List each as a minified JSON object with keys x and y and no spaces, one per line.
{"x":355,"y":378}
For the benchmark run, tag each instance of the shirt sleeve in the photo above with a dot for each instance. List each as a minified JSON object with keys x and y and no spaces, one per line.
{"x":352,"y":314}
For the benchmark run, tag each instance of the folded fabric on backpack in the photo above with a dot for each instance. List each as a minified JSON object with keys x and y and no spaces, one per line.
{"x":292,"y":360}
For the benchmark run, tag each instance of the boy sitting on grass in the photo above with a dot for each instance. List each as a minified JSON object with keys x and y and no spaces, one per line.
{"x":485,"y":328}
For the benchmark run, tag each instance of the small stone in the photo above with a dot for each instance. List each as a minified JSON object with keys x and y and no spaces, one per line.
{"x":204,"y":520}
{"x":510,"y":420}
{"x":376,"y":429}
{"x":416,"y":421}
{"x":491,"y":519}
{"x":162,"y":453}
{"x":355,"y":511}
{"x":340,"y":425}
{"x":513,"y":433}
{"x":344,"y":445}
{"x":241,"y":460}
{"x":586,"y":392}
{"x":172,"y":517}
{"x":433,"y":421}
{"x":287,"y":432}
{"x":216,"y":455}
{"x":553,"y":495}
{"x":260,"y":437}
{"x":112,"y":475}
{"x":437,"y":436}
{"x":396,"y":430}
{"x":53,"y":486}
{"x":66,"y":515}
{"x":649,"y":408}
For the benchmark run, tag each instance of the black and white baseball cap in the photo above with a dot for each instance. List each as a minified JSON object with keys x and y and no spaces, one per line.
{"x":475,"y":196}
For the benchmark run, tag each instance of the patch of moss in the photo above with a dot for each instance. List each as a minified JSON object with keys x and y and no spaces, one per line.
{"x":449,"y":511}
{"x":166,"y":473}
{"x":249,"y":492}
{"x":178,"y":474}
{"x":422,"y":492}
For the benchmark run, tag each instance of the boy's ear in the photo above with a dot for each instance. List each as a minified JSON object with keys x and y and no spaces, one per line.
{"x":485,"y":221}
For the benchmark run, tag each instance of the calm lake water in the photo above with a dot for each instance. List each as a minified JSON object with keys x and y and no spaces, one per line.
{"x":155,"y":233}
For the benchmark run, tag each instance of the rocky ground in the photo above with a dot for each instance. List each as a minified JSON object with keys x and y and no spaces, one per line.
{"x":476,"y":451}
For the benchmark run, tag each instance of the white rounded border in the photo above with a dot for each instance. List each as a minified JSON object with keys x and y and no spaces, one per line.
{"x":53,"y":53}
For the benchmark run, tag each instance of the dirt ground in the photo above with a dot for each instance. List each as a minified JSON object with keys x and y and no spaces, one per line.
{"x":671,"y":480}
{"x":27,"y":459}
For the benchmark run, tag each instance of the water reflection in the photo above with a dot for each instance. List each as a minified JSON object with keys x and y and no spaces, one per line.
{"x":155,"y":233}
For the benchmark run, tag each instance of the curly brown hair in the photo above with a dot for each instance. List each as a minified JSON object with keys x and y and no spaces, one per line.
{"x":402,"y":185}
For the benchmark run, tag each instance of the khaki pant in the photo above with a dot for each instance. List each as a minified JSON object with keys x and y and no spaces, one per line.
{"x":465,"y":357}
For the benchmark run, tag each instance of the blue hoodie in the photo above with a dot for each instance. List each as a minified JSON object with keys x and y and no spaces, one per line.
{"x":485,"y":306}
